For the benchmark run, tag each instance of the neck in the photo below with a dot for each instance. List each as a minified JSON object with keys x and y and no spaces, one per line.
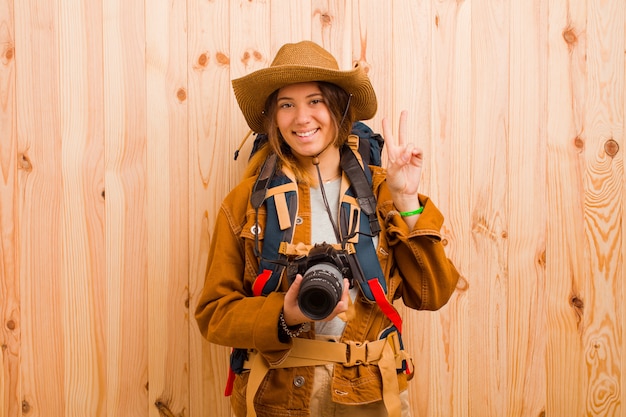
{"x":328,"y":163}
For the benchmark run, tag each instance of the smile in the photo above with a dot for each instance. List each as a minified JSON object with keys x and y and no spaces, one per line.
{"x":306,"y":134}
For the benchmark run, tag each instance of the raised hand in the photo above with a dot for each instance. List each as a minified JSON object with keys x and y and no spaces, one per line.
{"x":404,"y":168}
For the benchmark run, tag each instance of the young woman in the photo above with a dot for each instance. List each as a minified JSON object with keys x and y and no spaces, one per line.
{"x":312,"y":248}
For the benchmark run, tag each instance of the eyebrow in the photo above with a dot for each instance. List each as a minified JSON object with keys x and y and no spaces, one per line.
{"x":309,"y":96}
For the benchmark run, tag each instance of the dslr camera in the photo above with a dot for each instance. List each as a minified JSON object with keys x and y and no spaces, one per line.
{"x":323,"y":271}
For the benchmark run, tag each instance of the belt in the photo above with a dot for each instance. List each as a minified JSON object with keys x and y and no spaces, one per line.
{"x":385,"y":353}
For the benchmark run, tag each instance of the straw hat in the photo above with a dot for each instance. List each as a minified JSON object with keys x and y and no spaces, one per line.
{"x":296,"y":63}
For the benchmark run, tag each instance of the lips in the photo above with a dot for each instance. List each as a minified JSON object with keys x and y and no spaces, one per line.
{"x":307,"y":133}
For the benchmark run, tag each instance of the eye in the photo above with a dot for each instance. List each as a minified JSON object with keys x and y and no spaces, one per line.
{"x":285,"y":105}
{"x":317,"y":101}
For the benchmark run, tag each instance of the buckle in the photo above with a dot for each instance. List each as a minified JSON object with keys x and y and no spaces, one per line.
{"x":356,"y":353}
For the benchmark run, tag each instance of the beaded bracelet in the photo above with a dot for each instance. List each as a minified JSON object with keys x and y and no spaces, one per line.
{"x":285,"y":328}
{"x":412,"y":213}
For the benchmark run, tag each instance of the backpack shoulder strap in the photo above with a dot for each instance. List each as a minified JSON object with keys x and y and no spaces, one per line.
{"x":362,"y":186}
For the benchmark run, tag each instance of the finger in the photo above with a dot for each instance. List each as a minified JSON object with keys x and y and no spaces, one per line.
{"x":402,"y":128}
{"x":291,"y":297}
{"x":390,"y":148}
{"x":387,"y":135}
{"x":344,"y":303}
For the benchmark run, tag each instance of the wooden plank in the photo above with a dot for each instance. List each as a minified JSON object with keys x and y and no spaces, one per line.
{"x":332,"y":28}
{"x":167,"y":207}
{"x":489,"y":209}
{"x":565,"y":246}
{"x":372,"y":46}
{"x":39,"y":203}
{"x":290,"y":22}
{"x":623,"y":290}
{"x":250,"y":50}
{"x":604,"y":199}
{"x":448,"y":119}
{"x":9,"y":275}
{"x":82,"y":207}
{"x":526,"y":301}
{"x":209,"y":93}
{"x":125,"y":191}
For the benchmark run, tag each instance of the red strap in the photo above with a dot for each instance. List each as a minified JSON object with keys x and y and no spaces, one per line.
{"x":229,"y":382}
{"x":384,"y":304}
{"x":260,"y":281}
{"x":257,"y":290}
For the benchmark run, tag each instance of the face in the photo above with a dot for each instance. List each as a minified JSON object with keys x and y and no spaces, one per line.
{"x":304,"y":119}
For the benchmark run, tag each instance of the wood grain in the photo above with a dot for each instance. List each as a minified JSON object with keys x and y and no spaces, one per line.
{"x":489,"y":209}
{"x":125,"y":205}
{"x":565,"y":242}
{"x":39,"y":196}
{"x":526,"y":303}
{"x":9,"y":272}
{"x":167,"y":207}
{"x":604,"y":196}
{"x":211,"y":152}
{"x":117,"y":132}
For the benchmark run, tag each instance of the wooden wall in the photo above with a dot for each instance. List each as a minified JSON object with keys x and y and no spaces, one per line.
{"x":117,"y":130}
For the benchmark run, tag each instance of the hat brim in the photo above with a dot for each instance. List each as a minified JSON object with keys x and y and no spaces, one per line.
{"x":252,"y":90}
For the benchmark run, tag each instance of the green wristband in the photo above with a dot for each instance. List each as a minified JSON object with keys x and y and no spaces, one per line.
{"x":412,"y":213}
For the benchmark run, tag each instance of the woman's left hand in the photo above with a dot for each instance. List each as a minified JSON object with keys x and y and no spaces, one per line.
{"x":404,"y":167}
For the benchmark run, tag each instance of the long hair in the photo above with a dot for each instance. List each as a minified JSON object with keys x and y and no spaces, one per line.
{"x":341,"y":115}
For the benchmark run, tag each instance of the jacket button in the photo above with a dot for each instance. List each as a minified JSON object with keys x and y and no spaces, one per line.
{"x":298,"y":381}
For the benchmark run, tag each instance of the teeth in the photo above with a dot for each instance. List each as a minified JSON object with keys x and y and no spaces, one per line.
{"x":306,"y":134}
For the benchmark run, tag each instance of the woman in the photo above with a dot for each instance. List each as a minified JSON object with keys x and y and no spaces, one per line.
{"x":330,"y":344}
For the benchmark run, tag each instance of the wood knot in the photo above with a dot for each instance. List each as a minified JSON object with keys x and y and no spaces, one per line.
{"x":462,"y":284}
{"x":11,"y":325}
{"x":611,"y":147}
{"x":9,"y":53}
{"x":181,"y":94}
{"x":25,"y":407}
{"x":163,"y":409}
{"x":24,"y":163}
{"x":326,"y":19}
{"x":222,"y":58}
{"x":248,"y":56}
{"x":577,"y":303}
{"x":570,"y":37}
{"x":579,"y":143}
{"x":203,"y":60}
{"x":541,"y":259}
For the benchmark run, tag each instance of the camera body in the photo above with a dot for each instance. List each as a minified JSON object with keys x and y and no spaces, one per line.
{"x":323,"y":271}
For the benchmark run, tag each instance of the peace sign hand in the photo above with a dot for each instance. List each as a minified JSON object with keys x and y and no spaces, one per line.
{"x":404,"y":168}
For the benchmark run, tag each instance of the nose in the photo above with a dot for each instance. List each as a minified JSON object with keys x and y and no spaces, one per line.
{"x":303,"y":115}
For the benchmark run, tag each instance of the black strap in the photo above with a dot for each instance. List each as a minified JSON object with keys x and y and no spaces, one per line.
{"x":362,"y":187}
{"x":263,"y":181}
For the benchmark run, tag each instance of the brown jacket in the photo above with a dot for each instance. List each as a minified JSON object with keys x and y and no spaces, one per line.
{"x":416,"y":270}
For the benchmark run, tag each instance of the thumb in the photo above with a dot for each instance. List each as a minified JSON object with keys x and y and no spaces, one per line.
{"x":291,"y":297}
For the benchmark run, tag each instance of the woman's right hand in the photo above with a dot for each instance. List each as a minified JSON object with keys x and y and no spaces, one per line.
{"x":291,"y":310}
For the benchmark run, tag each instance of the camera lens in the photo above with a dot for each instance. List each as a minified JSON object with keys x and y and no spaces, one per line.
{"x":320,"y":291}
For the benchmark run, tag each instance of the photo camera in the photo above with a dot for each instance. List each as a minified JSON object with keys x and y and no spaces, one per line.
{"x":323,"y":271}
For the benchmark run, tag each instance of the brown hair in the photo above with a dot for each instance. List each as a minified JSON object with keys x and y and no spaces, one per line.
{"x":342,"y":117}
